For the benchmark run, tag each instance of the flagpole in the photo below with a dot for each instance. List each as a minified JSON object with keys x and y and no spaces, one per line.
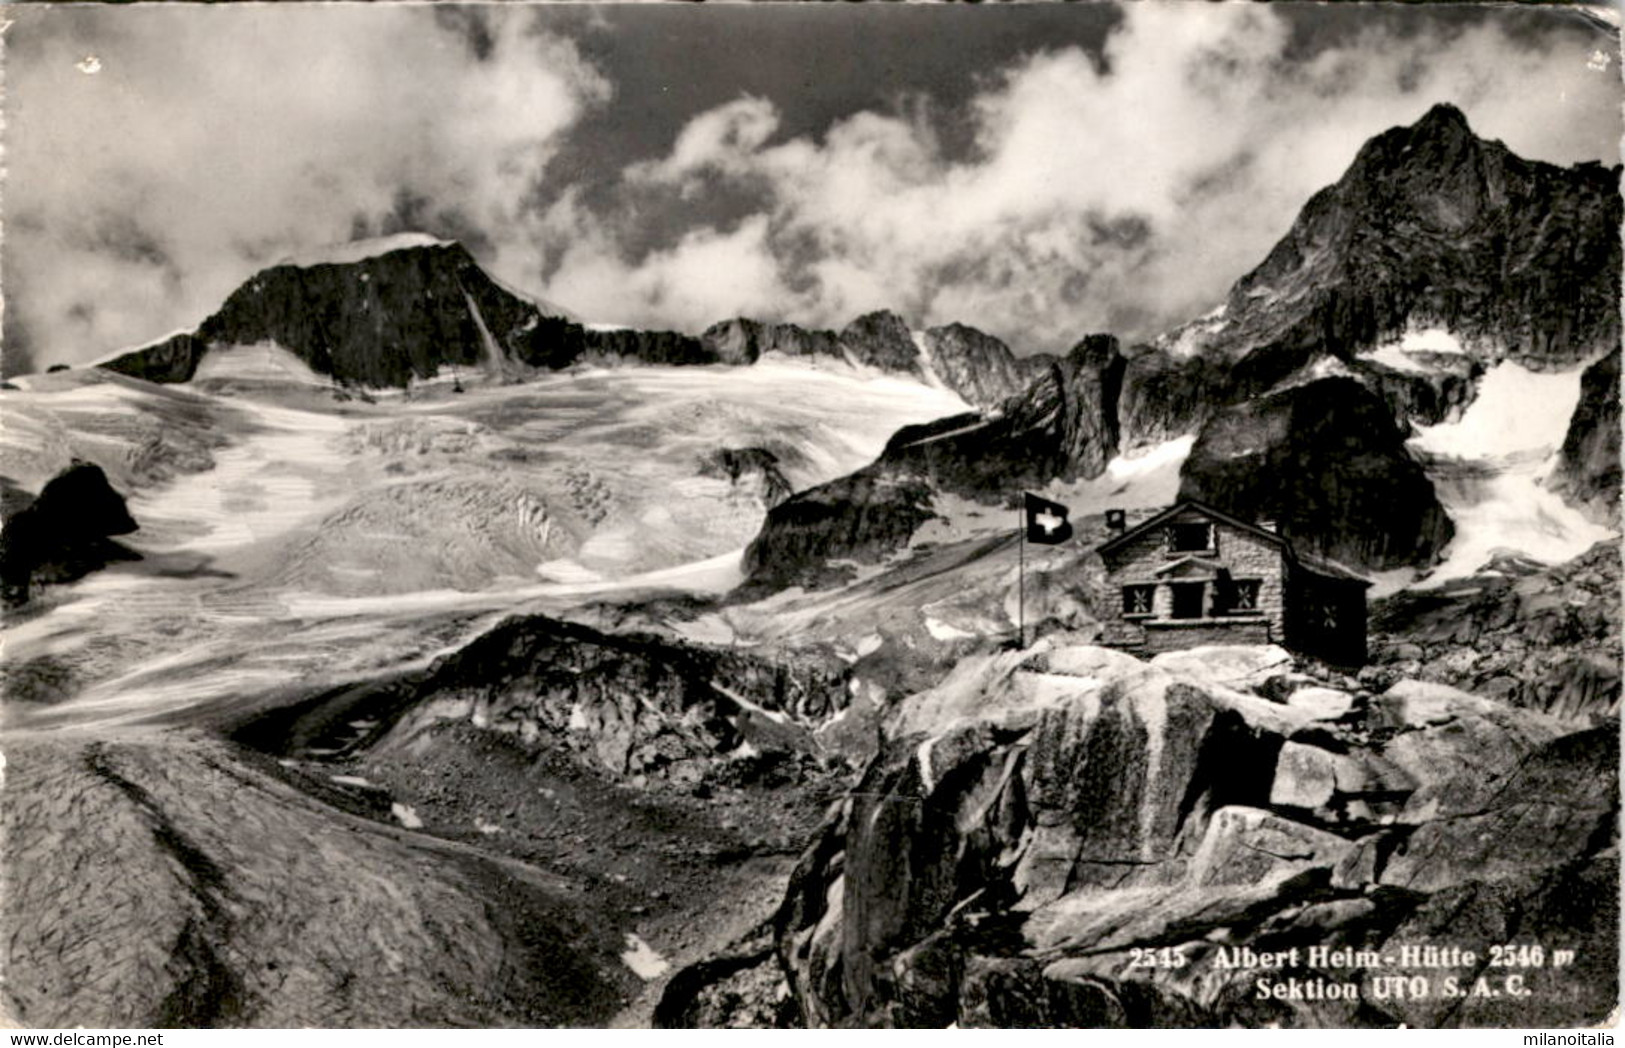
{"x":1021,"y":578}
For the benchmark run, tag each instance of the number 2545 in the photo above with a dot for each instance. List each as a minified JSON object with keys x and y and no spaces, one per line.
{"x":1159,"y":957}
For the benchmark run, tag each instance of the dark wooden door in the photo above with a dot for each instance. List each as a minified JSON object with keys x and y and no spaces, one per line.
{"x":1187,"y":603}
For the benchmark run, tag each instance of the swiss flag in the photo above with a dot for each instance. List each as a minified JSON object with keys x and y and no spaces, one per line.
{"x":1046,"y":521}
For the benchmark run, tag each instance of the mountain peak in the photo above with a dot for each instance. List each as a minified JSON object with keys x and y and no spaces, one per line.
{"x":1443,"y":117}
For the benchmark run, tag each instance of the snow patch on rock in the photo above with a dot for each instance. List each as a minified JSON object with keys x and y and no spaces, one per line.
{"x":643,"y":960}
{"x":360,"y":250}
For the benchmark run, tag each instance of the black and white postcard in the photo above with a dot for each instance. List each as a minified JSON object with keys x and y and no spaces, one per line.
{"x":1093,"y":515}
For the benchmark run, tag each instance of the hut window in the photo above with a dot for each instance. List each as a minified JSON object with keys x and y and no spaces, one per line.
{"x":1244,"y":595}
{"x":1138,"y":600}
{"x":1191,"y":538}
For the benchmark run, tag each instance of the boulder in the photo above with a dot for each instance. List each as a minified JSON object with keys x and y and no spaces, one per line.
{"x":1500,"y":820}
{"x":1233,"y":665}
{"x":1321,"y":703}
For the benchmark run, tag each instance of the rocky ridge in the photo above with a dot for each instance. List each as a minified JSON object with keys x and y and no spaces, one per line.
{"x":1062,"y":425}
{"x":636,"y":708}
{"x":400,"y":315}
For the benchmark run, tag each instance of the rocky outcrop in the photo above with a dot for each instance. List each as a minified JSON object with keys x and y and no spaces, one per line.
{"x":175,"y":359}
{"x":1165,"y":396}
{"x":1423,"y":397}
{"x":635,"y":708}
{"x":862,"y":516}
{"x":882,"y":340}
{"x":64,"y":533}
{"x":1105,"y":856}
{"x":1062,"y":426}
{"x":1588,"y":471}
{"x":744,"y":341}
{"x":1326,"y":461}
{"x":755,"y":467}
{"x":1543,"y":637}
{"x":977,"y":366}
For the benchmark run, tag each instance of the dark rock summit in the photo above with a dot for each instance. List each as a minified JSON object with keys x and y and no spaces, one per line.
{"x":64,"y":533}
{"x":1432,"y":224}
{"x":979,"y":367}
{"x":394,"y":317}
{"x":882,"y":340}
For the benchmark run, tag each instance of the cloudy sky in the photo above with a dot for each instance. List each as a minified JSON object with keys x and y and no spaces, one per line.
{"x":1039,"y":171}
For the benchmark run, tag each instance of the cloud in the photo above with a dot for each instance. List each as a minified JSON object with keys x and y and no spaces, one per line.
{"x":213,"y":141}
{"x":1123,"y":191}
{"x":1120,"y":189}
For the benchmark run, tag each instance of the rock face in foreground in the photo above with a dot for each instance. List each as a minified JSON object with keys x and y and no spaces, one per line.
{"x":1588,"y":471}
{"x":62,"y":535}
{"x":1327,"y":463}
{"x":178,"y":884}
{"x":1088,"y":839}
